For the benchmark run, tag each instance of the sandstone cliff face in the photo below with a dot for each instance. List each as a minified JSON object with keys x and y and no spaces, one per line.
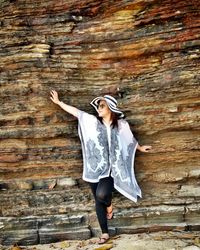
{"x":146,"y":54}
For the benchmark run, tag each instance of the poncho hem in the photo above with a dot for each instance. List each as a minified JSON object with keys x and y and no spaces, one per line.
{"x":95,"y":180}
{"x":126,"y":194}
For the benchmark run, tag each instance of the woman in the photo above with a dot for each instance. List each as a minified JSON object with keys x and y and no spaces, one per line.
{"x":108,"y":147}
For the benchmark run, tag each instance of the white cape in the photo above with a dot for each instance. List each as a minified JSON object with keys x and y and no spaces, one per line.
{"x":100,"y":160}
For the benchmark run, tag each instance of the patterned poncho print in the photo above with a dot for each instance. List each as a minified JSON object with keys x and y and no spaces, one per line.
{"x":100,"y":160}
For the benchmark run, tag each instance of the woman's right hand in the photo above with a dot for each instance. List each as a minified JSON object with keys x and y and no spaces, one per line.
{"x":54,"y":97}
{"x":69,"y":109}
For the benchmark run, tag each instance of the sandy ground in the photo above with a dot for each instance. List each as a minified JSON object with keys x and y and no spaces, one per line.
{"x":150,"y":241}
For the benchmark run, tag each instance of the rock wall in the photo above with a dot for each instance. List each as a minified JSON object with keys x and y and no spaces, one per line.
{"x":146,"y":54}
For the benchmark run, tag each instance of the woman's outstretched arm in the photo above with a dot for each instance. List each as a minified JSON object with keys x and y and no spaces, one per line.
{"x":69,"y":109}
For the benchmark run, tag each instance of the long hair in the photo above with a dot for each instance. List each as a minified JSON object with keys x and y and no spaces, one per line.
{"x":114,"y":118}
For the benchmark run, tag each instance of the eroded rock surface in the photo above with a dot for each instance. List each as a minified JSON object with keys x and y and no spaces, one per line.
{"x":146,"y":54}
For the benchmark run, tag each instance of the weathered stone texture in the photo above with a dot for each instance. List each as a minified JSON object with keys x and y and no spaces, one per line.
{"x":145,"y":53}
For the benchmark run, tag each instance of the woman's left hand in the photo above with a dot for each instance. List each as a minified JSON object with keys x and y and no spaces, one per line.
{"x":145,"y":148}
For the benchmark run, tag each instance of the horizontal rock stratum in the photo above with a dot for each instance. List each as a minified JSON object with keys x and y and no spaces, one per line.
{"x":146,"y":54}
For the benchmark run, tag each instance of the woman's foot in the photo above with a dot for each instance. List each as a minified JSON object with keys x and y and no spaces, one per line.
{"x":103,"y":239}
{"x":109,"y":212}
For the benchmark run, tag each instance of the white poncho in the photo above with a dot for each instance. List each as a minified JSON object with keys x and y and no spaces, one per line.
{"x":100,"y":160}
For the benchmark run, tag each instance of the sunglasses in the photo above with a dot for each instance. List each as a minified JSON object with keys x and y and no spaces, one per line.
{"x":101,"y":106}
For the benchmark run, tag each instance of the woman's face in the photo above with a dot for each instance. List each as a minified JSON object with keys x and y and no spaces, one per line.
{"x":103,"y":109}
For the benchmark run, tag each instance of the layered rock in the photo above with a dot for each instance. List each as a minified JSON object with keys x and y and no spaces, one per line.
{"x":146,"y":54}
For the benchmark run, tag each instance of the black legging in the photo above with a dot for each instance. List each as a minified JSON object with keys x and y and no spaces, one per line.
{"x":102,"y":192}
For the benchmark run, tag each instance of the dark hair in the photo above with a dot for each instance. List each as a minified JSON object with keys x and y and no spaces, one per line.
{"x":114,"y":118}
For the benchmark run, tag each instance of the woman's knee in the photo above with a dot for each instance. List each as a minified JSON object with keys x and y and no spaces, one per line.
{"x":103,"y":197}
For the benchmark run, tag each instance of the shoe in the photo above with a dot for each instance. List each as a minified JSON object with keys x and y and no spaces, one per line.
{"x":103,"y":240}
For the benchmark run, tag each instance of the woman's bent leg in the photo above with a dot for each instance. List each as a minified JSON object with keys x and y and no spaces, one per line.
{"x":102,"y":192}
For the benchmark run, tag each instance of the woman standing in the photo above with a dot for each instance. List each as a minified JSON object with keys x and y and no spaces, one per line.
{"x":108,"y":147}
